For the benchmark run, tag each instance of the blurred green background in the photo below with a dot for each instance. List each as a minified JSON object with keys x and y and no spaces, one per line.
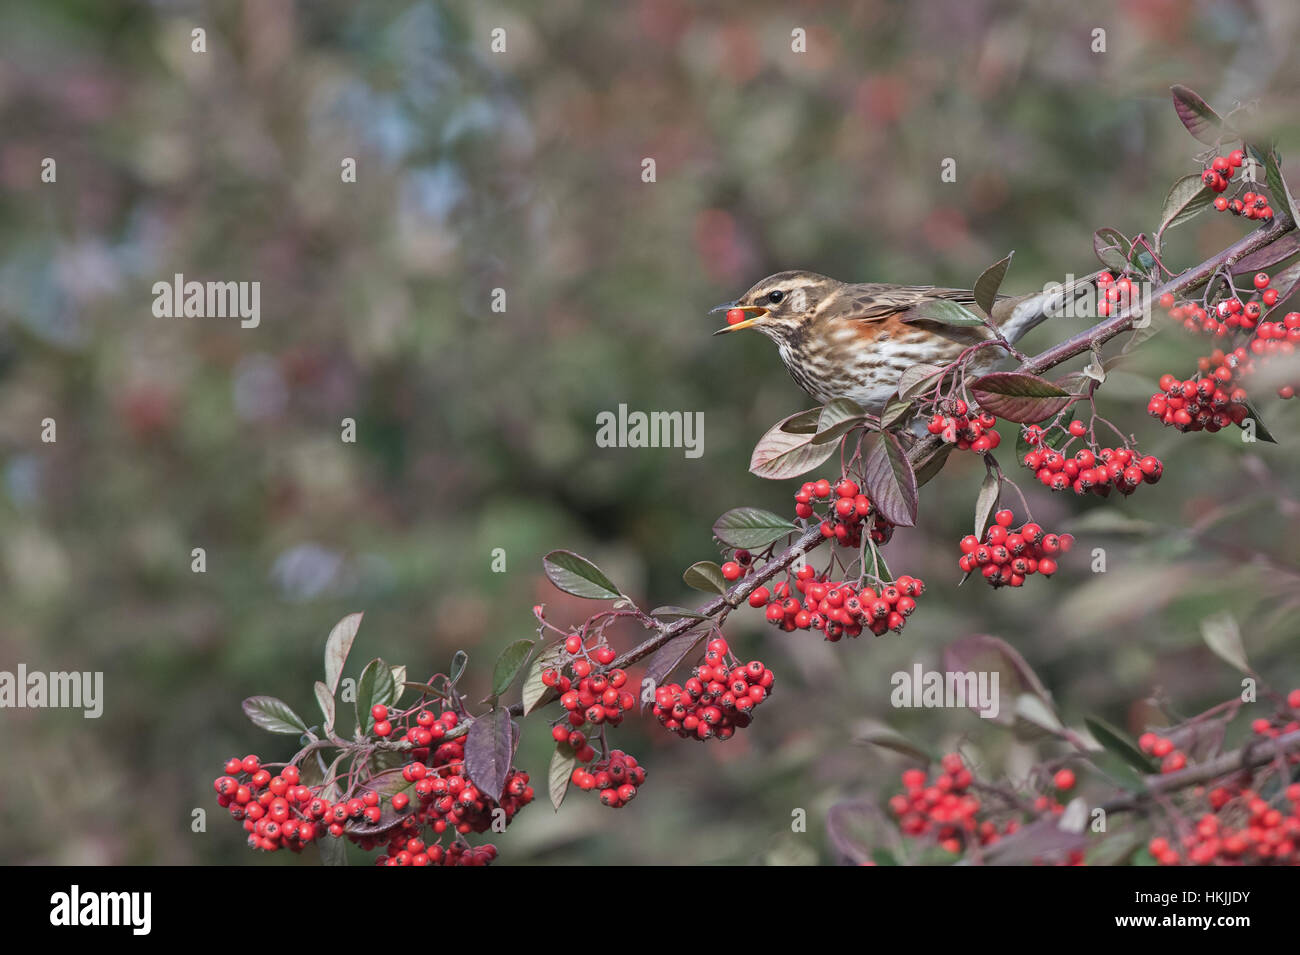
{"x":476,"y":430}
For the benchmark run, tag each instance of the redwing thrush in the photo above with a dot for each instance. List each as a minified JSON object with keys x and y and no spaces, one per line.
{"x":854,"y":341}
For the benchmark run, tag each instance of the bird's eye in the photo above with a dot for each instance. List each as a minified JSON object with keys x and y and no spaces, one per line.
{"x":775,"y":297}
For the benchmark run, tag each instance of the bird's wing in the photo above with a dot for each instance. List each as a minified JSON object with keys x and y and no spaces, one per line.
{"x":892,"y":311}
{"x":873,"y":302}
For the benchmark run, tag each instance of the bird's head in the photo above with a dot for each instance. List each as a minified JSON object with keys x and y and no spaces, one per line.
{"x":781,"y":304}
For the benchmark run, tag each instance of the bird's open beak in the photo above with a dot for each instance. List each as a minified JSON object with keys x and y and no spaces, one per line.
{"x":758,"y":311}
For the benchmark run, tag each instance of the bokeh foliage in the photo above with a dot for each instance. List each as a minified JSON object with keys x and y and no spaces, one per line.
{"x":476,"y":430}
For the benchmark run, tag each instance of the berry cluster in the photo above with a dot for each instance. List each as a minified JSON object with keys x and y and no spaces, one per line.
{"x":598,"y":698}
{"x":839,"y":609}
{"x":1220,"y":170}
{"x":1226,"y":317}
{"x":968,"y":432}
{"x":1114,"y":295}
{"x":413,"y":851}
{"x":1202,"y":404}
{"x":843,"y":520}
{"x":617,"y":777}
{"x":719,"y":698}
{"x":1241,"y":828}
{"x":447,"y":797}
{"x":1282,"y":722}
{"x":1089,"y":469}
{"x":1171,"y":758}
{"x":277,"y":811}
{"x":947,"y":811}
{"x":1215,"y":397}
{"x":421,"y":729}
{"x":944,"y":808}
{"x":1006,"y":557}
{"x":588,"y":696}
{"x":1216,"y":177}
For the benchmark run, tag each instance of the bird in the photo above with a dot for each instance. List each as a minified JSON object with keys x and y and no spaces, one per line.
{"x":845,"y":340}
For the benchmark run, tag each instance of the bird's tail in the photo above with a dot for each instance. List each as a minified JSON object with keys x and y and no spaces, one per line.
{"x":1017,"y":315}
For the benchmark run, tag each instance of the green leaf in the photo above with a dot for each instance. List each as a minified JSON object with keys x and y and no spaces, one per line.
{"x":944,"y":312}
{"x":1034,"y":709}
{"x":1222,"y":635}
{"x":751,"y":528}
{"x":563,"y":761}
{"x":399,"y":682}
{"x":888,"y":738}
{"x":1112,"y":248}
{"x":1273,"y":178}
{"x":576,"y":575}
{"x":838,"y":417}
{"x":987,"y":285}
{"x":1141,"y":259}
{"x":804,"y":422}
{"x":876,"y":566}
{"x":387,"y":783}
{"x":1114,"y":741}
{"x":459,"y":660}
{"x":705,"y":575}
{"x":895,"y":411}
{"x":1020,"y":397}
{"x":916,"y":379}
{"x":509,"y":664}
{"x":1054,"y":440}
{"x":337,"y":647}
{"x":1261,"y":430}
{"x":890,"y":482}
{"x":1187,"y":198}
{"x":375,"y":686}
{"x":1201,"y":121}
{"x":326,"y":700}
{"x":987,"y":500}
{"x":534,"y":690}
{"x":274,"y":715}
{"x":780,"y":455}
{"x":933,"y":464}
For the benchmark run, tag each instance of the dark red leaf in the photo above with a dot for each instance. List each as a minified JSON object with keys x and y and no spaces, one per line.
{"x":1020,"y":397}
{"x":489,"y":747}
{"x":891,"y":482}
{"x":1201,"y":121}
{"x":668,"y":657}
